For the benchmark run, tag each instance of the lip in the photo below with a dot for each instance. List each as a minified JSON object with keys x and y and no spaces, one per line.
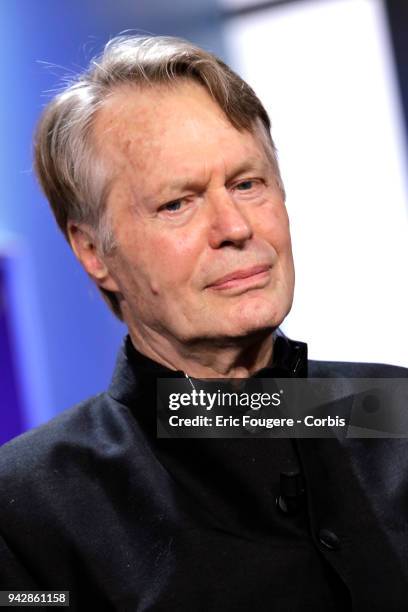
{"x":242,"y":277}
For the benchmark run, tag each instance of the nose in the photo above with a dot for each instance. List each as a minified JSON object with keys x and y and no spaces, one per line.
{"x":229,"y":226}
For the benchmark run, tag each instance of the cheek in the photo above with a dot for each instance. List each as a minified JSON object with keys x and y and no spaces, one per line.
{"x":272,"y":225}
{"x":170,"y":260}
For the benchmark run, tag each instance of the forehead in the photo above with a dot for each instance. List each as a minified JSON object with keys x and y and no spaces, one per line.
{"x":158,"y":130}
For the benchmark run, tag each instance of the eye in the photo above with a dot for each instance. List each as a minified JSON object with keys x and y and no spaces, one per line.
{"x":245,"y":185}
{"x":172,"y":206}
{"x":180,"y":209}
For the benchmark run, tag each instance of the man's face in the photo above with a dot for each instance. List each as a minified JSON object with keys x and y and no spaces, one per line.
{"x":203,"y":239}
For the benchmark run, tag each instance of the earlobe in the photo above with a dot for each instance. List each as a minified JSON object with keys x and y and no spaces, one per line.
{"x":84,"y":244}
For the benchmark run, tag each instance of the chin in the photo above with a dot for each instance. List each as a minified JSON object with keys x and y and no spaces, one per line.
{"x":256,"y":317}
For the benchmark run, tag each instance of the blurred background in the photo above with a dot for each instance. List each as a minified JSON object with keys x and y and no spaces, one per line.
{"x":333,"y":75}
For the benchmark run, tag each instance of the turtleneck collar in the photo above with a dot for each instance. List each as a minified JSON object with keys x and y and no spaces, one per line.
{"x":134,"y":370}
{"x":234,"y":482}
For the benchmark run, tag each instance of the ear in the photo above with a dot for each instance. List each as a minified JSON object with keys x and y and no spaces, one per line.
{"x":83,"y":242}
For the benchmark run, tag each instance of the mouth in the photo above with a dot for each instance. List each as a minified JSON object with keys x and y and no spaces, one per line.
{"x":256,"y":276}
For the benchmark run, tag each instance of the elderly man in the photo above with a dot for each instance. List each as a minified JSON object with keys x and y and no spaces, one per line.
{"x":161,"y":172}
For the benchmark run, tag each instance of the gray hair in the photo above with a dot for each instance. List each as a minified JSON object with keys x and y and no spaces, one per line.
{"x":67,"y":164}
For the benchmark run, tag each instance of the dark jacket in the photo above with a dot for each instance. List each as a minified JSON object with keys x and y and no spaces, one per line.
{"x":92,"y":502}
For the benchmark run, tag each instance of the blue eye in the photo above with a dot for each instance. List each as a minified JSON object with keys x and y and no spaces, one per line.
{"x":245,"y":185}
{"x":173,"y":206}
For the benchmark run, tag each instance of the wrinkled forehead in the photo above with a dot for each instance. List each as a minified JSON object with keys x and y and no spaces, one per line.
{"x":137,"y":124}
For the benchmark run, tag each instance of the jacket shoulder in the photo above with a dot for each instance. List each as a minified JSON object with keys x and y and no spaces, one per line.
{"x":74,"y":434}
{"x":346,"y":369}
{"x":59,"y":426}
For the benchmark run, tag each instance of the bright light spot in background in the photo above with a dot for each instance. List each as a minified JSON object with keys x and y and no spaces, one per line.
{"x":234,"y":4}
{"x":324,"y":72}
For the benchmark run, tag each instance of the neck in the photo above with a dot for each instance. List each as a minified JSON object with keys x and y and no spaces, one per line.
{"x":223,"y":358}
